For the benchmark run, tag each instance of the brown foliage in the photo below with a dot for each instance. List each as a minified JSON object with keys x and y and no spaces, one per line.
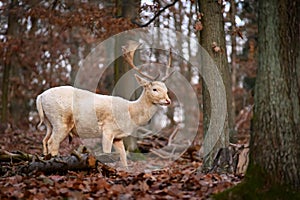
{"x":45,"y":48}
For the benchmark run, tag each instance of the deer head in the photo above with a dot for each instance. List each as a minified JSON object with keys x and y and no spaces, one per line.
{"x":156,"y":92}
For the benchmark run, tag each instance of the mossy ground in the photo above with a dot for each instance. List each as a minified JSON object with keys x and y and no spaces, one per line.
{"x":257,"y":185}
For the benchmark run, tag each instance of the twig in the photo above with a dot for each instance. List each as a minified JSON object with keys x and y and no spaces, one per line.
{"x":146,"y":132}
{"x":239,"y":146}
{"x":159,"y":154}
{"x":171,"y":151}
{"x":244,"y":118}
{"x":155,"y":16}
{"x":18,"y":156}
{"x":9,"y":154}
{"x":173,"y":135}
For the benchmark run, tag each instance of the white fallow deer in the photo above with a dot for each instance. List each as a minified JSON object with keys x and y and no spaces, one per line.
{"x":56,"y":110}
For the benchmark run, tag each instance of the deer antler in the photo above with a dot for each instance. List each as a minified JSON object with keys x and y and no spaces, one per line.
{"x":128,"y":56}
{"x":168,"y":74}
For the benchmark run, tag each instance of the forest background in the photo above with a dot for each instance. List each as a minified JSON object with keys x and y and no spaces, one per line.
{"x":43,"y":42}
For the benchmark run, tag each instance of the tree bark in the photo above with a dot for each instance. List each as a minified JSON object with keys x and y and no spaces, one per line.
{"x":213,"y":32}
{"x":233,"y":61}
{"x":129,"y":9}
{"x":233,"y":42}
{"x":11,"y":31}
{"x":17,"y":104}
{"x":273,"y":171}
{"x":28,"y":163}
{"x":275,"y":139}
{"x":5,"y":87}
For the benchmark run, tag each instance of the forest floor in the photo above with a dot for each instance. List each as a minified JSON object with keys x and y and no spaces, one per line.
{"x":181,"y":179}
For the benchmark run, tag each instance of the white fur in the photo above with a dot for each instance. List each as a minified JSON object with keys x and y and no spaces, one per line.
{"x":65,"y":110}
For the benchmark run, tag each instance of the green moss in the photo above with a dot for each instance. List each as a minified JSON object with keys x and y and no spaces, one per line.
{"x":257,"y":185}
{"x":137,"y":155}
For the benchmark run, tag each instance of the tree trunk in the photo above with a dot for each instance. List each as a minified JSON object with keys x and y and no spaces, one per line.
{"x":213,"y":32}
{"x":129,"y":9}
{"x":233,"y":42}
{"x":9,"y":60}
{"x":233,"y":62}
{"x":276,"y":113}
{"x":274,"y":149}
{"x":5,"y":87}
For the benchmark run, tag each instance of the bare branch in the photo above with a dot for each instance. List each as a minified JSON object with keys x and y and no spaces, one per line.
{"x":172,"y":136}
{"x":156,"y":15}
{"x":168,"y":74}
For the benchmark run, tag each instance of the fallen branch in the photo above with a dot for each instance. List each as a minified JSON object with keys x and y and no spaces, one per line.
{"x":60,"y":164}
{"x":170,"y":152}
{"x":16,"y":156}
{"x":173,"y":134}
{"x":28,"y":163}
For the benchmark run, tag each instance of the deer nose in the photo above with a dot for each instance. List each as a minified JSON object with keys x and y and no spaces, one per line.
{"x":168,"y":101}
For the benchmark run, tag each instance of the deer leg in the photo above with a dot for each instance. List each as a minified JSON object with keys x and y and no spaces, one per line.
{"x":119,"y":147}
{"x":47,"y":136}
{"x":107,"y":140}
{"x":58,"y":135}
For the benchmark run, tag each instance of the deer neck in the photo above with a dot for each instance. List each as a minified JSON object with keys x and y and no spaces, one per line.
{"x":142,"y":110}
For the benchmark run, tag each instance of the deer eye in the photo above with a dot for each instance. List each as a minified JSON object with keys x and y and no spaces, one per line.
{"x":154,"y":89}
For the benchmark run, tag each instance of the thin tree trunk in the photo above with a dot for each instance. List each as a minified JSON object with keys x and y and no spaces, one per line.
{"x":233,"y":42}
{"x":5,"y":87}
{"x":233,"y":60}
{"x":8,"y":62}
{"x":213,"y":32}
{"x":129,"y":10}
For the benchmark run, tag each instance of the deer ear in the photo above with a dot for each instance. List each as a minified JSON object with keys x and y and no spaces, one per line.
{"x":143,"y":82}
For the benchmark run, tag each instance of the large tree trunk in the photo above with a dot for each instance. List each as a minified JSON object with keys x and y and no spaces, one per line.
{"x":213,"y":32}
{"x":275,"y":140}
{"x":275,"y":151}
